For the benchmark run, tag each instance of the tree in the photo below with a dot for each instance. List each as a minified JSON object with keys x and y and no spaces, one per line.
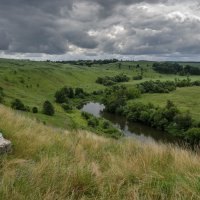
{"x":48,"y":108}
{"x":79,"y":92}
{"x":63,"y":94}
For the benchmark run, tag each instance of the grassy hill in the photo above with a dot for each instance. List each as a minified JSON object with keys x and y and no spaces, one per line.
{"x":50,"y":163}
{"x":62,"y":160}
{"x":187,"y":99}
{"x":35,"y":82}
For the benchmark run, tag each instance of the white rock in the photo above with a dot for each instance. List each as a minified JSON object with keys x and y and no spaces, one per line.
{"x":5,"y":145}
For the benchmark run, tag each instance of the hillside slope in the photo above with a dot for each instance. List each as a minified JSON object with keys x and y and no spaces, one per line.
{"x":48,"y":163}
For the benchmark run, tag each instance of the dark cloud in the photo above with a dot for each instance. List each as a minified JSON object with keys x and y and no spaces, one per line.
{"x":99,"y":27}
{"x":4,"y":41}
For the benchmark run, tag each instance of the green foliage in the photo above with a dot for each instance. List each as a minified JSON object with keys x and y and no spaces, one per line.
{"x":108,"y":81}
{"x":101,"y":126}
{"x":116,"y":97}
{"x":1,"y":95}
{"x":48,"y":108}
{"x":18,"y":105}
{"x":175,"y":68}
{"x":35,"y":110}
{"x":79,"y":92}
{"x":63,"y":94}
{"x":193,"y":136}
{"x":157,"y":86}
{"x":165,"y":86}
{"x":88,"y":62}
{"x":167,"y":118}
{"x":67,"y":107}
{"x":93,"y":122}
{"x":183,"y":121}
{"x":138,"y":77}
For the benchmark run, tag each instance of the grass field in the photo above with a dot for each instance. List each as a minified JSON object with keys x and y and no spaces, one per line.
{"x":49,"y":163}
{"x":63,"y":161}
{"x":35,"y":82}
{"x":186,"y":99}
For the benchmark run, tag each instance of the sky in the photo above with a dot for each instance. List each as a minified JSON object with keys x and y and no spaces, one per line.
{"x":100,"y":29}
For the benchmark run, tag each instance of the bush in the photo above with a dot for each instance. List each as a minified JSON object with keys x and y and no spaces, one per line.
{"x":157,"y":86}
{"x":18,"y":105}
{"x":138,"y":77}
{"x":193,"y":136}
{"x":93,"y":122}
{"x":106,"y":124}
{"x":108,"y":81}
{"x":183,"y":121}
{"x":35,"y":110}
{"x":133,"y":93}
{"x":63,"y":94}
{"x":48,"y":108}
{"x":115,"y":97}
{"x":98,"y":92}
{"x":86,"y":115}
{"x":79,"y":92}
{"x":67,"y":107}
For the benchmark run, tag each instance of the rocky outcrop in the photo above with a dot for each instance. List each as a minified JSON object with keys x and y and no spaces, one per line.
{"x":5,"y":145}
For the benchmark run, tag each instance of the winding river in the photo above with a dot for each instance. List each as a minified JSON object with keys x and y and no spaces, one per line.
{"x":135,"y":130}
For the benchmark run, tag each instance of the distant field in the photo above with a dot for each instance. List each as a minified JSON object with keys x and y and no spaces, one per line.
{"x":186,"y":99}
{"x":35,"y":82}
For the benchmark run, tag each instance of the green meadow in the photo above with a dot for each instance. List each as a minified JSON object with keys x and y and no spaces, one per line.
{"x":59,"y":157}
{"x":186,"y":99}
{"x":34,"y":82}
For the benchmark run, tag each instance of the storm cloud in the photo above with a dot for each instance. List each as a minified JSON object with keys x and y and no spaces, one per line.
{"x":73,"y":29}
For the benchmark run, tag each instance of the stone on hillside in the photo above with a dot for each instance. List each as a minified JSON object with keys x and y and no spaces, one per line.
{"x":5,"y":145}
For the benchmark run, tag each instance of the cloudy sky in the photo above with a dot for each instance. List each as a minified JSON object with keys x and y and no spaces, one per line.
{"x":81,"y":29}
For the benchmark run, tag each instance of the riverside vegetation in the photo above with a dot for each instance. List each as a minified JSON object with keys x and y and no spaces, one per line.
{"x":52,"y":139}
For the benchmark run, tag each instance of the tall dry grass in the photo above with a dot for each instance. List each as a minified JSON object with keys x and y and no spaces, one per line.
{"x":48,"y":163}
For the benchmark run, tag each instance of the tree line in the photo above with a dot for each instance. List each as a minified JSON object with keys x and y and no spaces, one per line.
{"x":88,"y":63}
{"x":165,"y":86}
{"x":169,"y":118}
{"x":175,"y":68}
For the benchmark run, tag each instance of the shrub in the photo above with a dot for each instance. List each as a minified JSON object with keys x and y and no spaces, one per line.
{"x":138,"y":77}
{"x":48,"y":108}
{"x":106,"y":124}
{"x":93,"y":122}
{"x":67,"y":107}
{"x":79,"y":92}
{"x":35,"y":110}
{"x":183,"y":121}
{"x":86,"y":115}
{"x":133,"y":93}
{"x":193,"y":136}
{"x":116,"y":96}
{"x":108,"y":81}
{"x":18,"y":105}
{"x":63,"y":94}
{"x":157,"y":86}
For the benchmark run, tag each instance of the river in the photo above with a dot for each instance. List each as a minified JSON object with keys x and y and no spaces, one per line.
{"x":135,"y":130}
